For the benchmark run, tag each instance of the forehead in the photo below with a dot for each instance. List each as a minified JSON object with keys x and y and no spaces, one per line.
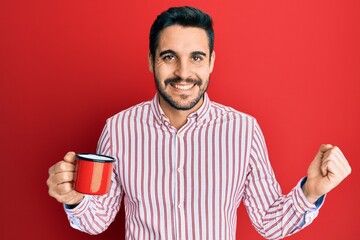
{"x":183,"y":39}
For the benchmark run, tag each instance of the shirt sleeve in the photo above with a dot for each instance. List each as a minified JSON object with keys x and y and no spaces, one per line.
{"x":95,"y":213}
{"x":273,"y":214}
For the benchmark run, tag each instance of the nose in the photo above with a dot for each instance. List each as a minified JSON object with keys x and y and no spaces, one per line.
{"x":183,"y":69}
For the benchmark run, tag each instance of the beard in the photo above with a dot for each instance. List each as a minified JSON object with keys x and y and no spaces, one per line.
{"x":183,"y":104}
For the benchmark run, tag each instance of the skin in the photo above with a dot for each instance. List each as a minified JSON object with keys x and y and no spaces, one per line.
{"x":60,"y":181}
{"x":182,"y":66}
{"x":328,"y":169}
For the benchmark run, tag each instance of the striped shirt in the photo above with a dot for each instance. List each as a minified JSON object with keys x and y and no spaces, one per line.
{"x":188,"y":183}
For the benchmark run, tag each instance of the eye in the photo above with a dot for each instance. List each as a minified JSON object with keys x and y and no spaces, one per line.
{"x":197,"y":58}
{"x":168,"y":58}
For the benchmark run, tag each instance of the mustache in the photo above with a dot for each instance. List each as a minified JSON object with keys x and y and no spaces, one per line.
{"x":179,"y":79}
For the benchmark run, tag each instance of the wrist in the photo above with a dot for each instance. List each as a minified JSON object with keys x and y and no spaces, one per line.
{"x":75,"y":202}
{"x":312,"y":198}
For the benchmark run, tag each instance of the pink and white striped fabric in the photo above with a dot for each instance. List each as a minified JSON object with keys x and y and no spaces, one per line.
{"x":188,"y":184}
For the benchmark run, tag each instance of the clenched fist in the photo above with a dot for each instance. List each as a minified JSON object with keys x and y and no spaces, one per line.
{"x":325,"y":172}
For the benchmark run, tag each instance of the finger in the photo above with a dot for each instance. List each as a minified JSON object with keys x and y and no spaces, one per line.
{"x":71,"y":197}
{"x":342,"y":159}
{"x":324,"y":168}
{"x":327,"y":166}
{"x":321,"y":153}
{"x":60,"y":184}
{"x":333,"y":169}
{"x":328,"y":157}
{"x":63,"y":166}
{"x":324,"y":148}
{"x":60,"y":178}
{"x":59,"y":191}
{"x":339,"y":158}
{"x":330,"y":153}
{"x":64,"y":188}
{"x":335,"y":154}
{"x":70,"y":157}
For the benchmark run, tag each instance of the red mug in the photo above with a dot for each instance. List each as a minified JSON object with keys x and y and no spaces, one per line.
{"x":93,"y":173}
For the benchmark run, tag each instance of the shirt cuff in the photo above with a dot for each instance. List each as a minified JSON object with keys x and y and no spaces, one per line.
{"x":79,"y":209}
{"x":301,"y":202}
{"x":303,"y":206}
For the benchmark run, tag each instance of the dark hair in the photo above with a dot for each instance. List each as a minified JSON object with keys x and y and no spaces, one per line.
{"x":183,"y":16}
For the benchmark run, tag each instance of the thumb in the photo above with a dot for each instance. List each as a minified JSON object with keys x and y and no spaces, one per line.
{"x":325,"y":147}
{"x":70,"y":157}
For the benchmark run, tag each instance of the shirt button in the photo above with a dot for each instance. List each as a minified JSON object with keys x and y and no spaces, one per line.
{"x":179,"y":206}
{"x":179,"y":170}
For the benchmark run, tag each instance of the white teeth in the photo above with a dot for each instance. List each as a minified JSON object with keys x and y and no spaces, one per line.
{"x":183,"y":87}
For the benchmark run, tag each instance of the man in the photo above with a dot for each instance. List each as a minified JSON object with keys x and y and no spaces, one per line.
{"x":185,"y":163}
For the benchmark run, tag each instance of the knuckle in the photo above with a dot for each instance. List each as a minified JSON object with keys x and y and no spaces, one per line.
{"x":331,"y":156}
{"x":50,"y":192}
{"x":62,"y":166}
{"x":49,"y":182}
{"x":69,"y":157}
{"x":51,"y":170}
{"x":335,"y":149}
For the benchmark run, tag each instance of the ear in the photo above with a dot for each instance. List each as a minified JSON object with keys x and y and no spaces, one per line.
{"x":212,"y":61}
{"x":150,"y":63}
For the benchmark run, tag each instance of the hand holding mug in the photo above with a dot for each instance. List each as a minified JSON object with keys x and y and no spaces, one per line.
{"x":79,"y":174}
{"x":61,"y":178}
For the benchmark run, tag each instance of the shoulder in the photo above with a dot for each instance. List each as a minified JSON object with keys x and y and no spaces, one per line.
{"x":222,"y":111}
{"x":133,"y":112}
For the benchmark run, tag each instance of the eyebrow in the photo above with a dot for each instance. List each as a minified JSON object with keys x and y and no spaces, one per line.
{"x":167,"y":52}
{"x":173,"y":52}
{"x":199,"y":53}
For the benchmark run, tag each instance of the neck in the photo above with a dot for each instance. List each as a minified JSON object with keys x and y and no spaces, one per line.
{"x":177,"y":117}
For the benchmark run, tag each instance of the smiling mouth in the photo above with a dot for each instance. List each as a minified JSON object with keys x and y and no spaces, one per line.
{"x":183,"y":87}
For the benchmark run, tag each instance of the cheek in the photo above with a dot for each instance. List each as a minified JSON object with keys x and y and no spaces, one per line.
{"x":163,"y":72}
{"x":203,"y":72}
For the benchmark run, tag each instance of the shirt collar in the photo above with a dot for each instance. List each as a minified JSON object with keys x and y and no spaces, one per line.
{"x":200,"y":115}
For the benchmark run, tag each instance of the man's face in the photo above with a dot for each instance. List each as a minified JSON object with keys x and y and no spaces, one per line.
{"x":182,"y":66}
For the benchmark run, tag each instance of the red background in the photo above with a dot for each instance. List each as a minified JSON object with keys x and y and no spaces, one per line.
{"x":66,"y":66}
